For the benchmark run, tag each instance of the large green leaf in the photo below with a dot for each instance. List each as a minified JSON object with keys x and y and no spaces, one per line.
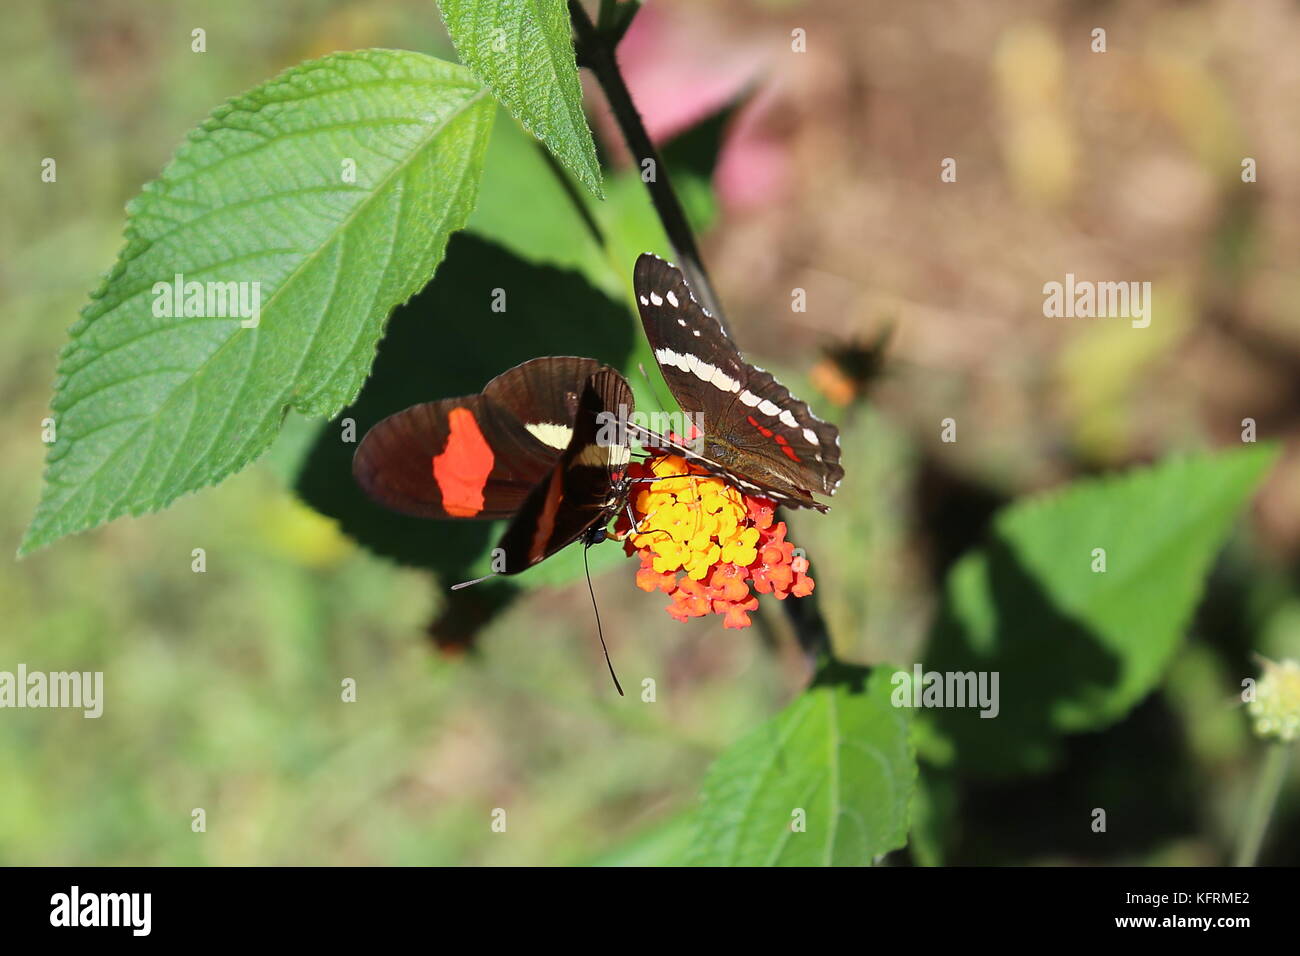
{"x":840,"y":754}
{"x":523,"y":51}
{"x":150,"y":407}
{"x":1075,"y":648}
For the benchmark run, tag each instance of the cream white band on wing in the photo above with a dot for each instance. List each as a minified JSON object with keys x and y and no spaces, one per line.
{"x":550,"y":433}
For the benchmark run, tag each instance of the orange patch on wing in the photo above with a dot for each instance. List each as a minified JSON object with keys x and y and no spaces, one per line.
{"x":462,"y":468}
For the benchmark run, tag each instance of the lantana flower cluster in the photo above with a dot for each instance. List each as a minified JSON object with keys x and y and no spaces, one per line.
{"x":706,"y":544}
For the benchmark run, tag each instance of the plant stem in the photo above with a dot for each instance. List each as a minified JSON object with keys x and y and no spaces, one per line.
{"x":595,"y":50}
{"x":605,"y":19}
{"x":1271,"y":776}
{"x":598,"y":56}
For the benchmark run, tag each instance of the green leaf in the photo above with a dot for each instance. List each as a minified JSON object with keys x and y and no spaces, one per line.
{"x":840,"y":753}
{"x":1076,"y":649}
{"x":151,"y":407}
{"x":934,"y":815}
{"x":524,"y":53}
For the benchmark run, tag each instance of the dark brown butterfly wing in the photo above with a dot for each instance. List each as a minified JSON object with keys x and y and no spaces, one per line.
{"x":477,"y":456}
{"x":756,"y":433}
{"x":544,"y":394}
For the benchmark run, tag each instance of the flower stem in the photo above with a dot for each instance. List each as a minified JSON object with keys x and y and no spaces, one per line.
{"x":594,"y":47}
{"x":1267,"y":787}
{"x":597,"y":54}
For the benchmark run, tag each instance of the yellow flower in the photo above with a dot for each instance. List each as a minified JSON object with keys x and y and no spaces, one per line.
{"x":687,"y":520}
{"x":742,"y":548}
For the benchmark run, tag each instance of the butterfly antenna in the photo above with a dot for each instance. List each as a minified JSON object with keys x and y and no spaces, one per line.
{"x":586,"y":546}
{"x":465,"y":584}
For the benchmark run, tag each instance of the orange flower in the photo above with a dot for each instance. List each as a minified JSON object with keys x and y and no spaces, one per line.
{"x":704,"y":543}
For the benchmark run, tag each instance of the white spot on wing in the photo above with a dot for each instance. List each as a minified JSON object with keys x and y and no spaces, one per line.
{"x":644,"y":300}
{"x":672,"y":299}
{"x":667,"y":357}
{"x":788,"y":420}
{"x":767,"y":408}
{"x":749,"y":398}
{"x":550,"y":433}
{"x":656,"y":298}
{"x":811,"y":435}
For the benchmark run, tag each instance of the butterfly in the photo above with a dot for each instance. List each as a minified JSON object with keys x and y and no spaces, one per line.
{"x":533,"y":447}
{"x":756,"y":435}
